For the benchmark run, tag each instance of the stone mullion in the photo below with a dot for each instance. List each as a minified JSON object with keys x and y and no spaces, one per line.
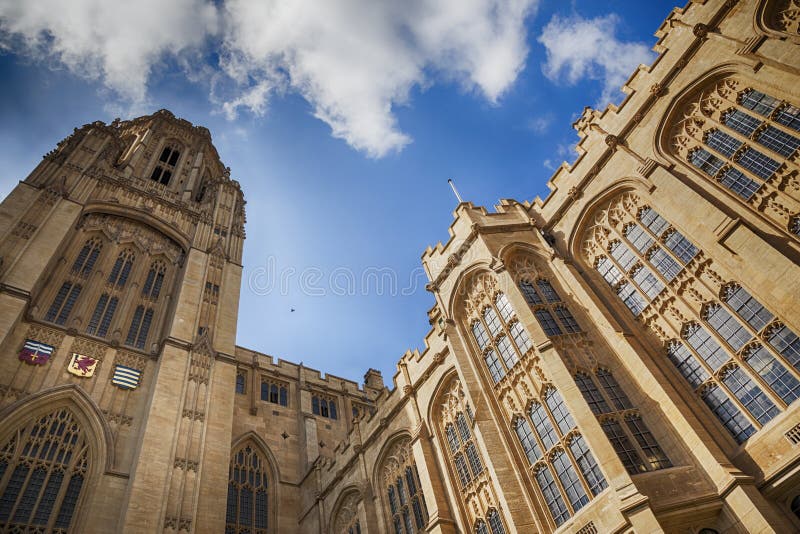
{"x":547,"y":456}
{"x":750,"y":142}
{"x":132,"y":297}
{"x":766,"y":186}
{"x":585,"y":422}
{"x":761,"y":338}
{"x":565,"y":441}
{"x":504,"y":470}
{"x":766,"y":121}
{"x":626,"y":273}
{"x":504,"y":325}
{"x":736,"y":358}
{"x":619,"y":415}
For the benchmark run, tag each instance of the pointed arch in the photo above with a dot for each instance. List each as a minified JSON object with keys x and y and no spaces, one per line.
{"x":75,"y":398}
{"x":249,"y":453}
{"x":62,"y":418}
{"x":584,"y":221}
{"x":461,"y":284}
{"x":263,"y":448}
{"x":396,"y":478}
{"x":344,"y":512}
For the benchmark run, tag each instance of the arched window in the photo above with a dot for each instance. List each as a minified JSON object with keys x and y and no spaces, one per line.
{"x":140,"y":327}
{"x":733,"y":353}
{"x":121,"y":270}
{"x":632,"y":440}
{"x":63,"y":303}
{"x":247,"y":510}
{"x":501,"y":338}
{"x":404,"y":499}
{"x":553,"y":316}
{"x":87,"y":257}
{"x":492,"y":525}
{"x":102,"y":315}
{"x":495,"y":523}
{"x":165,"y":167}
{"x":241,"y":382}
{"x":155,"y":279}
{"x":661,"y":254}
{"x":345,"y":520}
{"x":462,"y":450}
{"x":740,"y":138}
{"x":43,"y":467}
{"x":563,"y":466}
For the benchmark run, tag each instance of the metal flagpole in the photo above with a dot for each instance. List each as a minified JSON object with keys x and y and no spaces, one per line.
{"x":455,"y":191}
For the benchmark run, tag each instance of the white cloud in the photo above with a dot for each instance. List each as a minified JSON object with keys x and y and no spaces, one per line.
{"x":540,"y":125}
{"x":579,"y":48}
{"x":115,"y":42}
{"x":354,"y":61}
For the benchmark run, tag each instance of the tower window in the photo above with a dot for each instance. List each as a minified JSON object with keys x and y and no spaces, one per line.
{"x":162,"y":172}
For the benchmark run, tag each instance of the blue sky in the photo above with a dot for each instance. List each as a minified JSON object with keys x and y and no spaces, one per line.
{"x":341,"y":126}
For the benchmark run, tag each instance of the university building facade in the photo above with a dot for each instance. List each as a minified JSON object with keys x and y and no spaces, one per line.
{"x":622,"y":356}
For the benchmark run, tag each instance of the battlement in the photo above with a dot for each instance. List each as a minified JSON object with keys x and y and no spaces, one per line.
{"x":297,"y":372}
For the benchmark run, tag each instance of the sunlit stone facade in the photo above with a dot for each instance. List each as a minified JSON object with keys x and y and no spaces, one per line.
{"x":622,"y":356}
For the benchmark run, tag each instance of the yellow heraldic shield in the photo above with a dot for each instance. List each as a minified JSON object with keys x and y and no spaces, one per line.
{"x":81,"y":365}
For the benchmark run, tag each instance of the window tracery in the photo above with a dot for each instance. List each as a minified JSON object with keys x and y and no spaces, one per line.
{"x":746,"y":141}
{"x":456,"y":430}
{"x":405,"y":504}
{"x":622,"y":423}
{"x":346,"y":520}
{"x":501,"y":339}
{"x":43,"y":468}
{"x":563,"y":466}
{"x":106,"y":256}
{"x":553,"y":315}
{"x":735,"y":355}
{"x":247,"y":510}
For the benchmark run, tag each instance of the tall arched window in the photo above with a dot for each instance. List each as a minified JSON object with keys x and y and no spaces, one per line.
{"x":466,"y":462}
{"x":405,"y":502}
{"x":735,"y":355}
{"x":248,"y":493}
{"x":741,"y":139}
{"x":106,"y":306}
{"x":563,"y":466}
{"x":501,"y":339}
{"x":90,"y":292}
{"x":553,"y":316}
{"x":43,"y":467}
{"x":623,"y":425}
{"x":346,"y":519}
{"x":87,"y":257}
{"x":67,"y":295}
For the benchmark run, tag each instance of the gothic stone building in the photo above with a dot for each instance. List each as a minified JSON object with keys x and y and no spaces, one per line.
{"x":622,"y":356}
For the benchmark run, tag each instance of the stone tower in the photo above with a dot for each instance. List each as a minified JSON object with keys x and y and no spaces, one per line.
{"x":124,"y":247}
